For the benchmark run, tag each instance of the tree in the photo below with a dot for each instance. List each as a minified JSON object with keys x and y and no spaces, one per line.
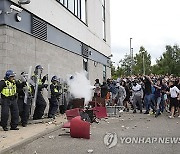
{"x":169,"y":62}
{"x":126,"y":65}
{"x":138,"y":62}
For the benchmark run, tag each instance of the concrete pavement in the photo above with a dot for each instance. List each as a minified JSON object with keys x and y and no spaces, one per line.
{"x":128,"y":125}
{"x":12,"y":139}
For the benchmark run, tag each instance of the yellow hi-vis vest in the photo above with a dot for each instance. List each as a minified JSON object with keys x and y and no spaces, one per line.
{"x":55,"y":88}
{"x":9,"y":89}
{"x":36,"y":77}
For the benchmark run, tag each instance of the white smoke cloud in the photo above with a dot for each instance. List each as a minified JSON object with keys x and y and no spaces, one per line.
{"x":80,"y":86}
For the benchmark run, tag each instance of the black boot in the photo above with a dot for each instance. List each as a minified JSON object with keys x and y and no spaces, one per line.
{"x":5,"y":129}
{"x":14,"y":128}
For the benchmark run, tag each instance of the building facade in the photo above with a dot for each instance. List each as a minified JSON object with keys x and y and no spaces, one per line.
{"x":67,"y":35}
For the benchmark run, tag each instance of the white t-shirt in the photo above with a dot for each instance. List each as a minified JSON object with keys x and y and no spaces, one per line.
{"x":174,"y":91}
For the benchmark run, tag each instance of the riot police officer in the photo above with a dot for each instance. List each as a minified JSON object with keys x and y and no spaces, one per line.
{"x":24,"y":98}
{"x":40,"y":103}
{"x":9,"y":101}
{"x":53,"y":101}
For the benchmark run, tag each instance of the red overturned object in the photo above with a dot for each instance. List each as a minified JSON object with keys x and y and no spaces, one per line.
{"x":79,"y":128}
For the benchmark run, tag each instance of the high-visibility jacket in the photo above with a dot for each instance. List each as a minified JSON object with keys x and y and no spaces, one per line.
{"x":9,"y":89}
{"x":54,"y":89}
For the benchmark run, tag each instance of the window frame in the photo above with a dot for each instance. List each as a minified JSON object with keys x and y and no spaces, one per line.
{"x":77,"y":12}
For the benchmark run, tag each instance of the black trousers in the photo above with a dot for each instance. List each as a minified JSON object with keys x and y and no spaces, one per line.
{"x":53,"y":106}
{"x":6,"y":105}
{"x":40,"y":107}
{"x":24,"y":109}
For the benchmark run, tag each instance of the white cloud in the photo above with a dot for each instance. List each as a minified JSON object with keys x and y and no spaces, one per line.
{"x":151,"y":23}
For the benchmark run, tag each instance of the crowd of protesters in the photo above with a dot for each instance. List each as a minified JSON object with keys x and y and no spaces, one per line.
{"x":24,"y":97}
{"x":155,"y":94}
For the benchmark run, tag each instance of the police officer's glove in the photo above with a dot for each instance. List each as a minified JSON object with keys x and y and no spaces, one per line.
{"x":45,"y":77}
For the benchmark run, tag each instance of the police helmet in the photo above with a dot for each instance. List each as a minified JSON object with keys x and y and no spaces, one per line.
{"x":54,"y":78}
{"x":9,"y":74}
{"x":38,"y":67}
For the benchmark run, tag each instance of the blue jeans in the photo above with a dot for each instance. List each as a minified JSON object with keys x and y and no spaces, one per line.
{"x":158,"y":101}
{"x":162,"y":103}
{"x":149,"y":100}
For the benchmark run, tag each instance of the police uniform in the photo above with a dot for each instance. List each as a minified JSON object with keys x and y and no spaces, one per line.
{"x":40,"y":101}
{"x":53,"y":101}
{"x":24,"y":105}
{"x":9,"y":102}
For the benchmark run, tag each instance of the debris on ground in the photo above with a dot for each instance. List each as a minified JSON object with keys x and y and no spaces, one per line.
{"x":51,"y":137}
{"x":3,"y":136}
{"x":90,"y":151}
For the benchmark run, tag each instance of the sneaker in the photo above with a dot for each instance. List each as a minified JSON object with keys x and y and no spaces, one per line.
{"x":14,"y":128}
{"x":179,"y":116}
{"x":171,"y":117}
{"x":5,"y":129}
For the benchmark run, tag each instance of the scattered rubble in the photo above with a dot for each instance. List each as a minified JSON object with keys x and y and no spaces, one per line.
{"x":90,"y":151}
{"x":51,"y":137}
{"x":3,"y":136}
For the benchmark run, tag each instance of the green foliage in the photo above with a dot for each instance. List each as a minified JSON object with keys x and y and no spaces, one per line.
{"x":168,"y":63}
{"x":138,"y":62}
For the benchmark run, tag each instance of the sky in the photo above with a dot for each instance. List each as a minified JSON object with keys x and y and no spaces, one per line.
{"x":152,"y":24}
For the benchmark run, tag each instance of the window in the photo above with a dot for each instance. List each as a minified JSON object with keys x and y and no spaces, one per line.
{"x":103,"y":20}
{"x":77,"y":7}
{"x":65,"y":3}
{"x":104,"y":72}
{"x":83,"y":10}
{"x":71,"y":5}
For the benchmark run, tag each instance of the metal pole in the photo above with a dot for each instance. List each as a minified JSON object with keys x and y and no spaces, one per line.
{"x":131,"y":58}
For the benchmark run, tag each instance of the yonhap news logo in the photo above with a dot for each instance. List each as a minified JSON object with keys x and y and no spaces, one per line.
{"x":111,"y":140}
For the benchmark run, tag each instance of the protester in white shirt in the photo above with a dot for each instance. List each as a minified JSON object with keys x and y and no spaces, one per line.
{"x":174,"y":96}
